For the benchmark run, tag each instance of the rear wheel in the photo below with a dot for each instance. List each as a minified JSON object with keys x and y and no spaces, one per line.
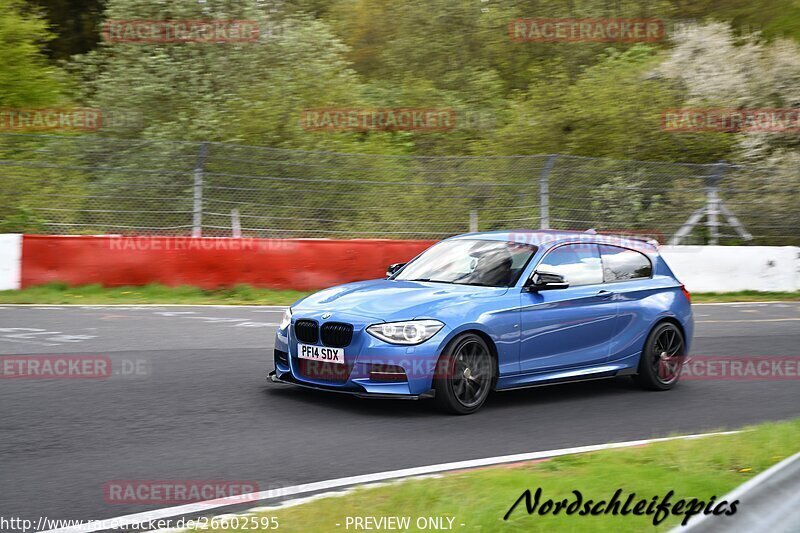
{"x":662,"y":358}
{"x":465,"y":375}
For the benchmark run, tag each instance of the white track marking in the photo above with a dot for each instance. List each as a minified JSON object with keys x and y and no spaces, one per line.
{"x":332,"y":494}
{"x":781,"y":303}
{"x":201,"y":507}
{"x":747,"y":320}
{"x":56,"y":338}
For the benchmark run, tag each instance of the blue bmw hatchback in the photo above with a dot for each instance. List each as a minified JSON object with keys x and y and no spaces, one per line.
{"x":493,"y":311}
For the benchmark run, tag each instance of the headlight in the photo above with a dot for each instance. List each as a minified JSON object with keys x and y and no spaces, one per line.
{"x":409,"y":332}
{"x":287,"y":319}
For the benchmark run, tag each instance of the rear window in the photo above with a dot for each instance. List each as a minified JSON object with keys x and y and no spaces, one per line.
{"x":578,"y":263}
{"x":621,"y":264}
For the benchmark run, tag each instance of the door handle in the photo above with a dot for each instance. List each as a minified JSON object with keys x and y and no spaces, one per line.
{"x":605,"y":294}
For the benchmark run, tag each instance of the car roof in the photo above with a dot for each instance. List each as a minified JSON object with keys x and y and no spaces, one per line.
{"x":548,"y":237}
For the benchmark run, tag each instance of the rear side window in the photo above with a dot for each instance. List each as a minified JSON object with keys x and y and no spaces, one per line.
{"x":621,"y":264}
{"x":578,"y":263}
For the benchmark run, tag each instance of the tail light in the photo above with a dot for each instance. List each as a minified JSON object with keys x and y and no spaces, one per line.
{"x":686,"y":293}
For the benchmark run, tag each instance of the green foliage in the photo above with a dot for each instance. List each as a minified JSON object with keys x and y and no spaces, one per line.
{"x":75,"y":23}
{"x":32,"y":192}
{"x":612,"y":109}
{"x":23,"y":220}
{"x":181,"y":90}
{"x":624,"y":203}
{"x":304,"y":67}
{"x":26,"y":78}
{"x":578,"y":98}
{"x":594,"y":99}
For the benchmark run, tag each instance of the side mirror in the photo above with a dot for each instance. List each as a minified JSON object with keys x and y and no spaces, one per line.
{"x":392,"y":269}
{"x":545,"y":281}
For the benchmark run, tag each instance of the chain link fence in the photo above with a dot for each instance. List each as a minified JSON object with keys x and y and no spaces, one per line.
{"x":90,"y":185}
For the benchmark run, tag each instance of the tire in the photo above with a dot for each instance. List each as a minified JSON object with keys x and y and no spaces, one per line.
{"x":662,"y":358}
{"x":465,"y":375}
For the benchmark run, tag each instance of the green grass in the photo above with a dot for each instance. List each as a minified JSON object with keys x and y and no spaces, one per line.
{"x":479,"y":499}
{"x":744,"y":296}
{"x":60,"y":293}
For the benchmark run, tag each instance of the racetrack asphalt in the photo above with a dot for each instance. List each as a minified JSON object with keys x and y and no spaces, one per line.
{"x":188,"y":400}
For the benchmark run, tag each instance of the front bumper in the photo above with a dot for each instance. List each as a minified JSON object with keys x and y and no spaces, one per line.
{"x":411,"y":369}
{"x":287,"y":379}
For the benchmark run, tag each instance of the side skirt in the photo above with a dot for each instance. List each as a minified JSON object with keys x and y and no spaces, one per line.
{"x":624,"y":367}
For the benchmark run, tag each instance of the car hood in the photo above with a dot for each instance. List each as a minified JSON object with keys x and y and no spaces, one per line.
{"x":389,"y":300}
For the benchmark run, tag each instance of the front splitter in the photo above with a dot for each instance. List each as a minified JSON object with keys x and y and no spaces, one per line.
{"x":273,"y":378}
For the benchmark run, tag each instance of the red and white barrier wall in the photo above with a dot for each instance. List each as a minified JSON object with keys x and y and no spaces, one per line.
{"x":735,"y":268}
{"x":307,"y":264}
{"x":10,"y":260}
{"x":302,"y":264}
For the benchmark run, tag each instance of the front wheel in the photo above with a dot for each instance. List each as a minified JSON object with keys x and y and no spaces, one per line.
{"x":662,"y":358}
{"x":464,"y":375}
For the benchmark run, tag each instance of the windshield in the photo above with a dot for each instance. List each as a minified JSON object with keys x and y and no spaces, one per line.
{"x":470,"y":262}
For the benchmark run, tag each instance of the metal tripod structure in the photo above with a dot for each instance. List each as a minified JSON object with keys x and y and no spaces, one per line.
{"x":713,"y":208}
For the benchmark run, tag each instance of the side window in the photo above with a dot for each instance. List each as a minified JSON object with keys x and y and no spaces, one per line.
{"x":620,"y":264}
{"x":578,"y":263}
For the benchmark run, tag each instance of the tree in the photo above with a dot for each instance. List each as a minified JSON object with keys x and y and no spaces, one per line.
{"x":179,"y":90}
{"x":76,"y":24}
{"x":612,"y":109}
{"x":26,"y":78}
{"x":717,"y":68}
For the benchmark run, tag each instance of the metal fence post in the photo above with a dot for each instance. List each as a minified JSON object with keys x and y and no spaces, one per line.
{"x":236,"y":224}
{"x":713,"y":203}
{"x":473,"y":221}
{"x":197,"y":209}
{"x":544,"y":192}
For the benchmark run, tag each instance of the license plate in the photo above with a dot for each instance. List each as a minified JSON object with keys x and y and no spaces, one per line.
{"x":320,"y":353}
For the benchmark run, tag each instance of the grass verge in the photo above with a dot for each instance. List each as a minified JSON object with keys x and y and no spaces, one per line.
{"x":60,"y":293}
{"x":745,"y":296}
{"x":479,"y":499}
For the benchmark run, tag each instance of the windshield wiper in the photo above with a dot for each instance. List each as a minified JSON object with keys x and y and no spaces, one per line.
{"x":427,"y":279}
